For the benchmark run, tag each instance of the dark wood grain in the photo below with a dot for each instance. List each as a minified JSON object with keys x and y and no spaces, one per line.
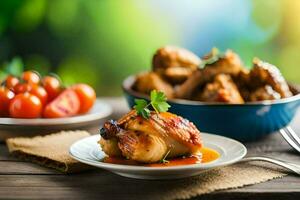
{"x":22,"y":180}
{"x":4,"y":155}
{"x":102,"y":185}
{"x":19,"y":167}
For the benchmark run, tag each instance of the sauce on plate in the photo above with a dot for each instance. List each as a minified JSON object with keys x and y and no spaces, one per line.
{"x":208,"y":155}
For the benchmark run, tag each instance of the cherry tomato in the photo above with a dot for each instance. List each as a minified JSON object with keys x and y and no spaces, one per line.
{"x":52,"y":86}
{"x":25,"y":105}
{"x":39,"y":92}
{"x":86,"y":95}
{"x":22,"y":87}
{"x":6,"y":96}
{"x":31,"y":77}
{"x":65,"y":105}
{"x":36,"y":90}
{"x":11,"y":81}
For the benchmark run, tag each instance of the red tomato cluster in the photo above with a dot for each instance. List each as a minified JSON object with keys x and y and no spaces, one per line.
{"x":31,"y":96}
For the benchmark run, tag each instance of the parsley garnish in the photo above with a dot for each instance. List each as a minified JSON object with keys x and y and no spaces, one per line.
{"x":141,"y":106}
{"x":158,"y":101}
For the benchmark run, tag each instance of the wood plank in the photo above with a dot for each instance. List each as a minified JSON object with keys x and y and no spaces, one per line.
{"x":101,"y":178}
{"x":19,"y":167}
{"x":4,"y":155}
{"x":100,"y":184}
{"x":69,"y":193}
{"x":63,"y":193}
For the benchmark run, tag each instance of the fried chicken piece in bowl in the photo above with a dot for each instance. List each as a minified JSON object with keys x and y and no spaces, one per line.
{"x":222,"y":89}
{"x":146,"y":82}
{"x":174,"y":63}
{"x":264,"y":93}
{"x":214,"y":63}
{"x":264,"y":73}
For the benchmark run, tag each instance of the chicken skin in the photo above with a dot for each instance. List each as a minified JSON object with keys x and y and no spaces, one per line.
{"x":264,"y":73}
{"x":243,"y":83}
{"x":222,"y":89}
{"x":163,"y":135}
{"x":264,"y":93}
{"x":146,"y":82}
{"x":174,"y":63}
{"x":229,"y":63}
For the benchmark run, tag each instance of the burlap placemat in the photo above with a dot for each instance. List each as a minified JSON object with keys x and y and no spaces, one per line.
{"x":229,"y":177}
{"x":50,"y":150}
{"x":53,"y":151}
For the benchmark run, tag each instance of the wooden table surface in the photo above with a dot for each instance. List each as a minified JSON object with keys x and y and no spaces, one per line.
{"x":23,"y":180}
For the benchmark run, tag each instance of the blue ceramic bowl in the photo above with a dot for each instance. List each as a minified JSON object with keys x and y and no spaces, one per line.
{"x":244,"y":122}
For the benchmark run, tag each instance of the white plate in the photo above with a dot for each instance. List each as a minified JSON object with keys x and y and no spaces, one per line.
{"x":12,"y":127}
{"x":88,"y":151}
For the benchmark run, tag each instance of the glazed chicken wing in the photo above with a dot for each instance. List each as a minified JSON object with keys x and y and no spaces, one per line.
{"x":174,"y":63}
{"x":150,"y":140}
{"x":264,"y":73}
{"x":229,"y":63}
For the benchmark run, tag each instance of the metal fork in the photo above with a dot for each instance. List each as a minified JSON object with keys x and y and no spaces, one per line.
{"x":290,"y":166}
{"x":291,"y":137}
{"x":294,"y":140}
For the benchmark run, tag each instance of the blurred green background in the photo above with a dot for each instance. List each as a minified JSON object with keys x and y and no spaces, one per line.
{"x":100,"y":42}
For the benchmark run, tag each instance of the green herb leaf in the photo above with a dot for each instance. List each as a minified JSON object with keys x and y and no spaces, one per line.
{"x":158,"y":101}
{"x":145,"y":113}
{"x":141,"y":108}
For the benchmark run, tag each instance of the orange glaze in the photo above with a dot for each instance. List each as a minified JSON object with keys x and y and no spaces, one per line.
{"x":208,"y":155}
{"x":167,"y":115}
